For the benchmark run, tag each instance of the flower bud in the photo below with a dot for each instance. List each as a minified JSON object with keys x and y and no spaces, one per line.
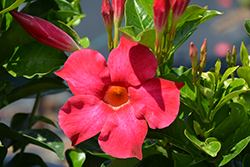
{"x":203,"y":61}
{"x":193,"y":53}
{"x":228,"y":58}
{"x":204,"y":47}
{"x":45,"y":32}
{"x":161,"y":11}
{"x":234,"y":56}
{"x":178,"y":8}
{"x":118,"y":6}
{"x":108,"y":18}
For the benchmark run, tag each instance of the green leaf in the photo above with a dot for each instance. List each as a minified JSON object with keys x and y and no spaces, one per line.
{"x":124,"y":162}
{"x":175,"y":135}
{"x":246,"y":160}
{"x":34,"y":86}
{"x":75,"y":158}
{"x":40,"y":137}
{"x":244,"y":72}
{"x":225,"y":99}
{"x":234,"y":144}
{"x":247,"y":26}
{"x":228,"y":72}
{"x":146,"y":38}
{"x":84,"y":42}
{"x":231,"y":123}
{"x":217,"y":67}
{"x":244,"y":55}
{"x":156,"y":160}
{"x":27,"y":160}
{"x":12,"y":6}
{"x":211,"y":146}
{"x":184,"y":160}
{"x":3,"y":151}
{"x":136,"y":15}
{"x":35,"y":59}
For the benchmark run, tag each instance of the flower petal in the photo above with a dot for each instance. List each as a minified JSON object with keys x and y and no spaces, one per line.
{"x":123,"y":134}
{"x":131,"y":63}
{"x":82,"y":117}
{"x":157,"y":101}
{"x":86,"y":73}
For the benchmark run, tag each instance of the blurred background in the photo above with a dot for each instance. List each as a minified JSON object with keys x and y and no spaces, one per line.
{"x":222,"y":33}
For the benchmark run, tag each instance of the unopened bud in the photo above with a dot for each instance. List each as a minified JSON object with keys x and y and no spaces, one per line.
{"x":45,"y":32}
{"x":204,"y":47}
{"x":228,"y":58}
{"x":108,"y":18}
{"x":203,"y":61}
{"x":193,"y":53}
{"x":234,"y":56}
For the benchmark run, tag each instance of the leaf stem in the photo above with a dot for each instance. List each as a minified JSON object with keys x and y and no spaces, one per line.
{"x":32,"y":115}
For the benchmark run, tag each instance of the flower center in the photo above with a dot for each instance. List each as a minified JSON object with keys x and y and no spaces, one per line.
{"x":116,"y":96}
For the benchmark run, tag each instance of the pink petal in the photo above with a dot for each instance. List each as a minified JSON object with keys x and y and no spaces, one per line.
{"x":86,"y":73}
{"x":131,"y":63}
{"x":157,"y":101}
{"x":82,"y":117}
{"x":123,"y":134}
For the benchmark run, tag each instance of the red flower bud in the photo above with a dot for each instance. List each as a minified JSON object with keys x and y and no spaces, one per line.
{"x":118,"y":6}
{"x":107,"y":13}
{"x":161,"y":11}
{"x":178,"y":8}
{"x":45,"y":32}
{"x":204,"y":47}
{"x":193,"y":53}
{"x":108,"y":18}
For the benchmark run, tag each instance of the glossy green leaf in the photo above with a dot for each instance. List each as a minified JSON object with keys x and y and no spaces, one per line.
{"x":228,"y":72}
{"x":184,"y":160}
{"x":34,"y":86}
{"x":135,"y":15}
{"x":146,"y":38}
{"x":27,"y":160}
{"x":211,"y":146}
{"x":40,"y":137}
{"x":226,"y":99}
{"x":156,"y":160}
{"x":35,"y":59}
{"x":243,"y":72}
{"x":234,"y":144}
{"x":210,"y":79}
{"x":209,"y":14}
{"x":46,"y":139}
{"x":244,"y":55}
{"x":12,"y":6}
{"x":147,"y":5}
{"x":217,"y":67}
{"x":247,"y":26}
{"x":228,"y":126}
{"x":75,"y":158}
{"x":15,"y":36}
{"x":175,"y":135}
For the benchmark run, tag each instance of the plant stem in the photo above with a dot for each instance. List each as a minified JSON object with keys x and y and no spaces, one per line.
{"x":116,"y":37}
{"x":32,"y":115}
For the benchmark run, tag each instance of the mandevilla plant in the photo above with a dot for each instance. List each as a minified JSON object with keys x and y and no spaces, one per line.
{"x":135,"y":109}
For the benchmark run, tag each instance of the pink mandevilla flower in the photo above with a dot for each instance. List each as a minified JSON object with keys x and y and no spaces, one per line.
{"x":116,"y":100}
{"x":45,"y":32}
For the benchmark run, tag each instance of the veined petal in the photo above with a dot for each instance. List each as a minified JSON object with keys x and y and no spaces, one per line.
{"x":83,"y":117}
{"x":131,"y":63}
{"x":86,"y":73}
{"x":123,"y":134}
{"x":157,"y":101}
